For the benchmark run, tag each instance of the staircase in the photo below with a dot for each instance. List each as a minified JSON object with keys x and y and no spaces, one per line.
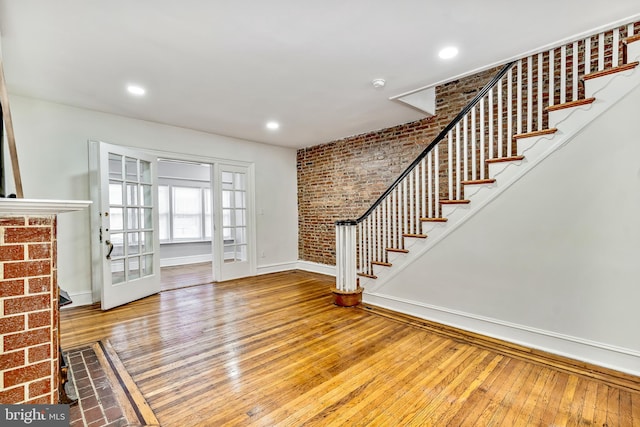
{"x":536,"y":111}
{"x":530,"y":110}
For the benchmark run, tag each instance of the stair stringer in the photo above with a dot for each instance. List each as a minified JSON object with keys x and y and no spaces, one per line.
{"x":607,"y":90}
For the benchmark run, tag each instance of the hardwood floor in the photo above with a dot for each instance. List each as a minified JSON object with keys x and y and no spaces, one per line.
{"x":181,"y":276}
{"x":273,"y":350}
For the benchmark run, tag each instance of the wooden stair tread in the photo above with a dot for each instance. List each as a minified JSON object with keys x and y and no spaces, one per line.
{"x":479,"y":181}
{"x":535,"y":133}
{"x":417,"y":236}
{"x":370,"y":276}
{"x":455,"y":202}
{"x":631,"y":39}
{"x":505,"y":159}
{"x":613,"y":70}
{"x":400,"y":251}
{"x":381,"y":263}
{"x":434,"y":219}
{"x":579,"y":102}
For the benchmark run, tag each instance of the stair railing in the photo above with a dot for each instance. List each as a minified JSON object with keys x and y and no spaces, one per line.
{"x":512,"y":105}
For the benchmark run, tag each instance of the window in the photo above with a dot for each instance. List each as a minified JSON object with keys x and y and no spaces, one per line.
{"x":184,"y":213}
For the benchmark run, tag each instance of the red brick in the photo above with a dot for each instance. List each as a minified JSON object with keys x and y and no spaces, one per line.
{"x":39,"y":284}
{"x":27,"y":234}
{"x":26,"y":304}
{"x":39,"y":353}
{"x":13,"y":395}
{"x":12,"y":253}
{"x":5,"y":222}
{"x":26,"y":269}
{"x":39,"y":388}
{"x":9,"y":288}
{"x":11,"y":360}
{"x":27,"y":374}
{"x":42,"y":400}
{"x":11,"y":324}
{"x":39,"y":319}
{"x":40,"y":221}
{"x":27,"y":339}
{"x":39,"y":251}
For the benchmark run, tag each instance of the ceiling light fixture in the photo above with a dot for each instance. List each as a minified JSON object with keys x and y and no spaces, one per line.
{"x":448,"y":52}
{"x":136,"y":90}
{"x":378,"y":83}
{"x":273,"y":125}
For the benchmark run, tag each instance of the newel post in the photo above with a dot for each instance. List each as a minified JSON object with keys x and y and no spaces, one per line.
{"x":347,"y":293}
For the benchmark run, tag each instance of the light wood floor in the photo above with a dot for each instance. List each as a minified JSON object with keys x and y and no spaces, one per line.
{"x":181,"y":276}
{"x":274,"y":351}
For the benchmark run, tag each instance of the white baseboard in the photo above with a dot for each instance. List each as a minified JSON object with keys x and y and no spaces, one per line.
{"x":601,"y":354}
{"x":315,"y":267}
{"x":79,"y":299}
{"x":184,"y":260}
{"x":275,"y":268}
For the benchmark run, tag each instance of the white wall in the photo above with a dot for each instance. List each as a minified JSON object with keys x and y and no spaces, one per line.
{"x":554,"y":262}
{"x":53,"y":158}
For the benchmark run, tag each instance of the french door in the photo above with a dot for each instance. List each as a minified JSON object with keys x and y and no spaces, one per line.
{"x":124,"y":223}
{"x":234,"y":223}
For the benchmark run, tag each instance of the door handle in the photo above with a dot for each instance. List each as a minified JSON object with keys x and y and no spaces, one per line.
{"x":110,"y":246}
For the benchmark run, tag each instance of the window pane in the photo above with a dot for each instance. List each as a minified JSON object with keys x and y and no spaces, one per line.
{"x":132,"y":244}
{"x":116,"y":221}
{"x":134,"y":268}
{"x":131,"y":169}
{"x":240,"y":217}
{"x":241,"y":253}
{"x":147,"y":265}
{"x":226,"y":199}
{"x":239,"y":181}
{"x":187,"y":213}
{"x":133,"y":217}
{"x":115,"y":166}
{"x":207,"y":213}
{"x":117,"y":271}
{"x":132,"y":194}
{"x":146,"y":241}
{"x":117,"y":240}
{"x":146,"y":218}
{"x":239,"y":199}
{"x":163,"y":212}
{"x":115,"y":193}
{"x":145,"y":172}
{"x":145,"y":195}
{"x":226,"y":218}
{"x":227,"y":180}
{"x":241,"y":235}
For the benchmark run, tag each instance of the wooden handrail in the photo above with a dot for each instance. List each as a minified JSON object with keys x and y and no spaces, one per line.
{"x":11,"y":139}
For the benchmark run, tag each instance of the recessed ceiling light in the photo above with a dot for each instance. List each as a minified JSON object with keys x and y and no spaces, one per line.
{"x":378,"y":83}
{"x":448,"y":52}
{"x":136,"y":90}
{"x":273,"y":125}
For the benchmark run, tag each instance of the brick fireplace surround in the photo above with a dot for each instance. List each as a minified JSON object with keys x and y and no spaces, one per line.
{"x":29,"y":359}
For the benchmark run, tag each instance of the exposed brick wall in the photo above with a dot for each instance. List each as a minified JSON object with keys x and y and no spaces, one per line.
{"x":341,"y":179}
{"x":28,"y":310}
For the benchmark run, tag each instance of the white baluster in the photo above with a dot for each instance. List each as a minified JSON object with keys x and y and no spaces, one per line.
{"x":457,"y":195}
{"x":576,"y":64}
{"x":482,"y":139}
{"x":405,"y":215}
{"x":411,"y":200}
{"x":450,"y":154}
{"x":540,"y":90}
{"x":465,"y":149}
{"x":394,"y":207}
{"x":436,"y":176}
{"x":552,"y":85}
{"x":587,"y":55}
{"x":563,"y":74}
{"x":370,"y":244}
{"x":490,"y":117}
{"x":499,"y":126}
{"x":423,"y":183}
{"x":615,"y":61}
{"x":509,"y":113}
{"x":601,"y":51}
{"x":529,"y":93}
{"x":473,"y":146}
{"x":389,"y":242}
{"x":430,"y":181}
{"x":519,"y":98}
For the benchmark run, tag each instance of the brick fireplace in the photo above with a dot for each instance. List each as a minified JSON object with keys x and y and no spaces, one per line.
{"x":29,"y":313}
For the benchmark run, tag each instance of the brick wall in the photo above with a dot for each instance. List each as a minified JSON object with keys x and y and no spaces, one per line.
{"x":28,"y":310}
{"x":341,"y":179}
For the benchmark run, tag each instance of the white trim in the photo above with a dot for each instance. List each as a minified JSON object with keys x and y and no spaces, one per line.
{"x":315,"y":267}
{"x":185,"y":260}
{"x":79,"y":299}
{"x":40,"y":207}
{"x":276,"y":268}
{"x":605,"y":355}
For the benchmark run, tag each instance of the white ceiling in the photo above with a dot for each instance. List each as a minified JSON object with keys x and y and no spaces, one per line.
{"x":228,"y":66}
